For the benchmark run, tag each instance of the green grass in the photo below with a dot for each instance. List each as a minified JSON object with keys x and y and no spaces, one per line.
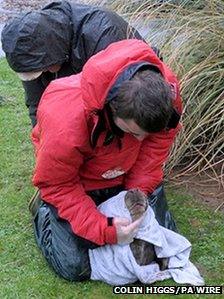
{"x":23,"y":271}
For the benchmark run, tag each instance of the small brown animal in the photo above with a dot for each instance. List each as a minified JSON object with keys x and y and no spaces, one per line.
{"x":143,"y":251}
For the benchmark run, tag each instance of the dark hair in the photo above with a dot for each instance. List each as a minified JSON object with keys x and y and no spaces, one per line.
{"x":147,"y":99}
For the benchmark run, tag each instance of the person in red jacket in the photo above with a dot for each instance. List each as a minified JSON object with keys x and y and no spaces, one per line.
{"x":104,"y":130}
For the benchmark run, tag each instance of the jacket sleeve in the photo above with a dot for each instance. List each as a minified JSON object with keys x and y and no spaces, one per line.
{"x":147,"y":171}
{"x":56,"y":174}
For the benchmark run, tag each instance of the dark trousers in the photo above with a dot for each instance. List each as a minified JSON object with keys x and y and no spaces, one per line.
{"x":67,"y":253}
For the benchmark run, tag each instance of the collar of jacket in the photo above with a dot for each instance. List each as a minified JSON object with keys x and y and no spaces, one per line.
{"x":105,"y":123}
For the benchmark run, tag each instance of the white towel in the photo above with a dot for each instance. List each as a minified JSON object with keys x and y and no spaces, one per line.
{"x":116,"y":265}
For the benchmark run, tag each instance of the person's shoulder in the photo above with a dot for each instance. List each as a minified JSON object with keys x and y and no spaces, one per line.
{"x":62,"y":96}
{"x":66,"y":83}
{"x":65,"y":89}
{"x":89,"y":14}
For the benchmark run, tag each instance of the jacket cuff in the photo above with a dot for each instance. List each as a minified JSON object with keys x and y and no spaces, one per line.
{"x":110,"y":235}
{"x":110,"y":221}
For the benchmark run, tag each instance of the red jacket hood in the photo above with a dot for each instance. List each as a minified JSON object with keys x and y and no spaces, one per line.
{"x":106,"y":66}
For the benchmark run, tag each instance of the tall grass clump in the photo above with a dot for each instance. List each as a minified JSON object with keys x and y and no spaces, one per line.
{"x":194,"y":48}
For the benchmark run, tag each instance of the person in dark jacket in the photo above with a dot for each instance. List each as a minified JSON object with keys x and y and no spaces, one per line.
{"x":104,"y":130}
{"x":56,"y":41}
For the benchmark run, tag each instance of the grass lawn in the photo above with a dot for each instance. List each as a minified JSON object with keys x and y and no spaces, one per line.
{"x":23,"y":271}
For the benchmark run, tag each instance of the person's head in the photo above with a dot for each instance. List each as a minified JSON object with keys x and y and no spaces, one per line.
{"x":143,"y":104}
{"x":37,"y":41}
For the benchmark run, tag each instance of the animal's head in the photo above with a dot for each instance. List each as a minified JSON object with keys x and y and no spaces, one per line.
{"x":136,"y":202}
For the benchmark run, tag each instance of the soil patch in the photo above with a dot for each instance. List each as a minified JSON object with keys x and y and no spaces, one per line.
{"x":205,"y":187}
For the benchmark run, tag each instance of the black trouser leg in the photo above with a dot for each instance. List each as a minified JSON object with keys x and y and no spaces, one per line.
{"x":65,"y":252}
{"x":61,"y":248}
{"x":158,"y":203}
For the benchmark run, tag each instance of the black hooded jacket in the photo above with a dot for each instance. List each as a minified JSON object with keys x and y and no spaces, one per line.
{"x":62,"y":33}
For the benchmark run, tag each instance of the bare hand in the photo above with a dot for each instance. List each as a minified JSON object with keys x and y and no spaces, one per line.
{"x":126,"y":230}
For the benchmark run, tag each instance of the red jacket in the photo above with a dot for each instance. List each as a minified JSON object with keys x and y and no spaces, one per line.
{"x":67,"y":164}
